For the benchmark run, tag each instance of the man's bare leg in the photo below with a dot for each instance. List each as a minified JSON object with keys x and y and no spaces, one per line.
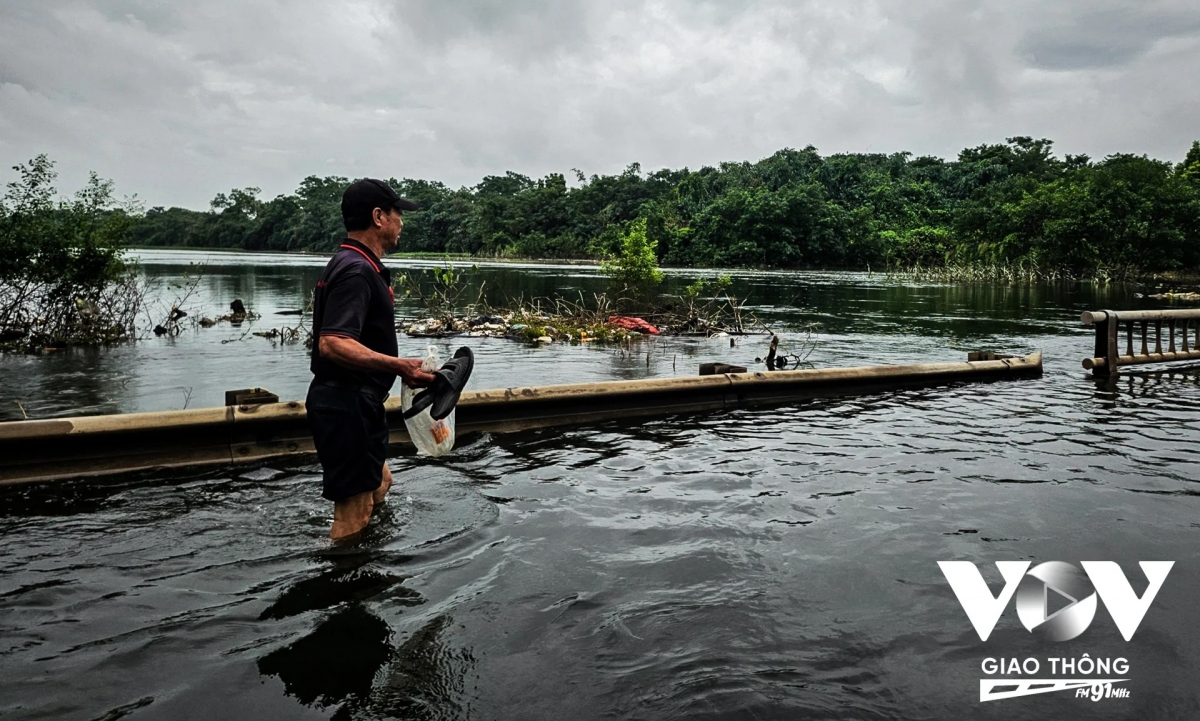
{"x":380,"y":494}
{"x":351,"y":515}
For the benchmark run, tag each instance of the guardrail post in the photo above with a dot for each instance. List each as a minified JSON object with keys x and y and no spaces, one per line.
{"x":1111,"y":351}
{"x":1106,"y":344}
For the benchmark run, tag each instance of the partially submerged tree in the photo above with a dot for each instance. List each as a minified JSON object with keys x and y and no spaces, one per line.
{"x":634,"y":269}
{"x":62,"y":278}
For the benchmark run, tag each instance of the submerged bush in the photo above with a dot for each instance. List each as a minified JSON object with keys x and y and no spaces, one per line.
{"x":634,"y":270}
{"x":62,"y":278}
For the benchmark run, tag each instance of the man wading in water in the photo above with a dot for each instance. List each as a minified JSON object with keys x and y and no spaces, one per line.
{"x":354,"y":358}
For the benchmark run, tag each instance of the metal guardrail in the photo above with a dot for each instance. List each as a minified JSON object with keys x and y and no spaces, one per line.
{"x":1150,"y":336}
{"x":96,"y":445}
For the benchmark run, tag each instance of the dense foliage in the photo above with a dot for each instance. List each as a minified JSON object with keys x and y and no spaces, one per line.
{"x":1014,"y":204}
{"x":62,"y":279}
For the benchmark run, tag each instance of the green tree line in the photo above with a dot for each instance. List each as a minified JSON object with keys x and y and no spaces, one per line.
{"x":1014,"y":204}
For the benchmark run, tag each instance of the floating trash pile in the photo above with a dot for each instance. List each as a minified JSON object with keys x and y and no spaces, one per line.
{"x":1170,"y":295}
{"x":537,"y":328}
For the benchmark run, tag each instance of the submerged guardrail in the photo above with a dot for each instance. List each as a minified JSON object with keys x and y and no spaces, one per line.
{"x":1138,"y":324}
{"x":94,"y":445}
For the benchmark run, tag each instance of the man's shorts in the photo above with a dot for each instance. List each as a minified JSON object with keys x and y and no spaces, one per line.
{"x":351,"y":435}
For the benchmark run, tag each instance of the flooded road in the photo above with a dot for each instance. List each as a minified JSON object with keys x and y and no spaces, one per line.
{"x":759,"y":564}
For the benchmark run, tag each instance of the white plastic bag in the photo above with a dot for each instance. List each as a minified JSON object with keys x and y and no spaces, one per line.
{"x":432,"y":438}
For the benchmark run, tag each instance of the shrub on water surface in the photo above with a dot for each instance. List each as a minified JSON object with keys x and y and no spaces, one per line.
{"x":62,"y":277}
{"x":634,"y":270}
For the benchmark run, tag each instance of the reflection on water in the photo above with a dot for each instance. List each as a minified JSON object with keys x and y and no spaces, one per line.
{"x":427,"y":679}
{"x":346,"y":582}
{"x":338,"y":661}
{"x":339,"y":665}
{"x":740,"y":564}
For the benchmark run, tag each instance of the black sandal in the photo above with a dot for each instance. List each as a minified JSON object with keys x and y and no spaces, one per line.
{"x":448,"y":384}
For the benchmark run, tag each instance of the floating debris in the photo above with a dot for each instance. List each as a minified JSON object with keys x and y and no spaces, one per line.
{"x":632,"y":323}
{"x":1172,"y":295}
{"x":238,"y":314}
{"x":544,"y":328}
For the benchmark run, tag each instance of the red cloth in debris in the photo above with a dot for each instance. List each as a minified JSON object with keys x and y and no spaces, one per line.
{"x":630,"y":323}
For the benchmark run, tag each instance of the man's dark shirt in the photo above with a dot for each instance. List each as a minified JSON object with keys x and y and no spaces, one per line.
{"x":354,"y":300}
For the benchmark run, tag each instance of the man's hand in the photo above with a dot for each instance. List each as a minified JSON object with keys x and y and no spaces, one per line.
{"x":409,"y":370}
{"x":352,"y":354}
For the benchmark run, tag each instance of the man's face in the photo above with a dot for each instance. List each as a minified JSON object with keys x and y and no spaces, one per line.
{"x":388,"y":225}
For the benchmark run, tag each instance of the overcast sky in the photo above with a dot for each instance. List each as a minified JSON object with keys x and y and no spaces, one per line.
{"x":178,"y":101}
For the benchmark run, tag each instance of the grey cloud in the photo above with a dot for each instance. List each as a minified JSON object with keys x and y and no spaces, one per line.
{"x":177,"y":101}
{"x":956,"y":59}
{"x":524,"y":29}
{"x":158,"y":17}
{"x":1055,"y":54}
{"x":1095,"y":36}
{"x":60,"y":55}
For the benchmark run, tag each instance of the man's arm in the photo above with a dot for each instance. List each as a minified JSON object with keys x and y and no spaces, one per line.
{"x":352,"y":354}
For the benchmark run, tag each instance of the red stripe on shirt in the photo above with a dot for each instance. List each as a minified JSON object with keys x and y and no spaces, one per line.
{"x":364,"y":254}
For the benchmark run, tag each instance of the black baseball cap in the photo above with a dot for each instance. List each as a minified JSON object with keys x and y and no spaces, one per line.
{"x":364,"y":196}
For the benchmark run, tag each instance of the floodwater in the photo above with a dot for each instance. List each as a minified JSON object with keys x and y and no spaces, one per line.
{"x":759,"y":564}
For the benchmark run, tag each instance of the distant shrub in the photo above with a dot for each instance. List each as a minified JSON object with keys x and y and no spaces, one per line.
{"x":634,"y":269}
